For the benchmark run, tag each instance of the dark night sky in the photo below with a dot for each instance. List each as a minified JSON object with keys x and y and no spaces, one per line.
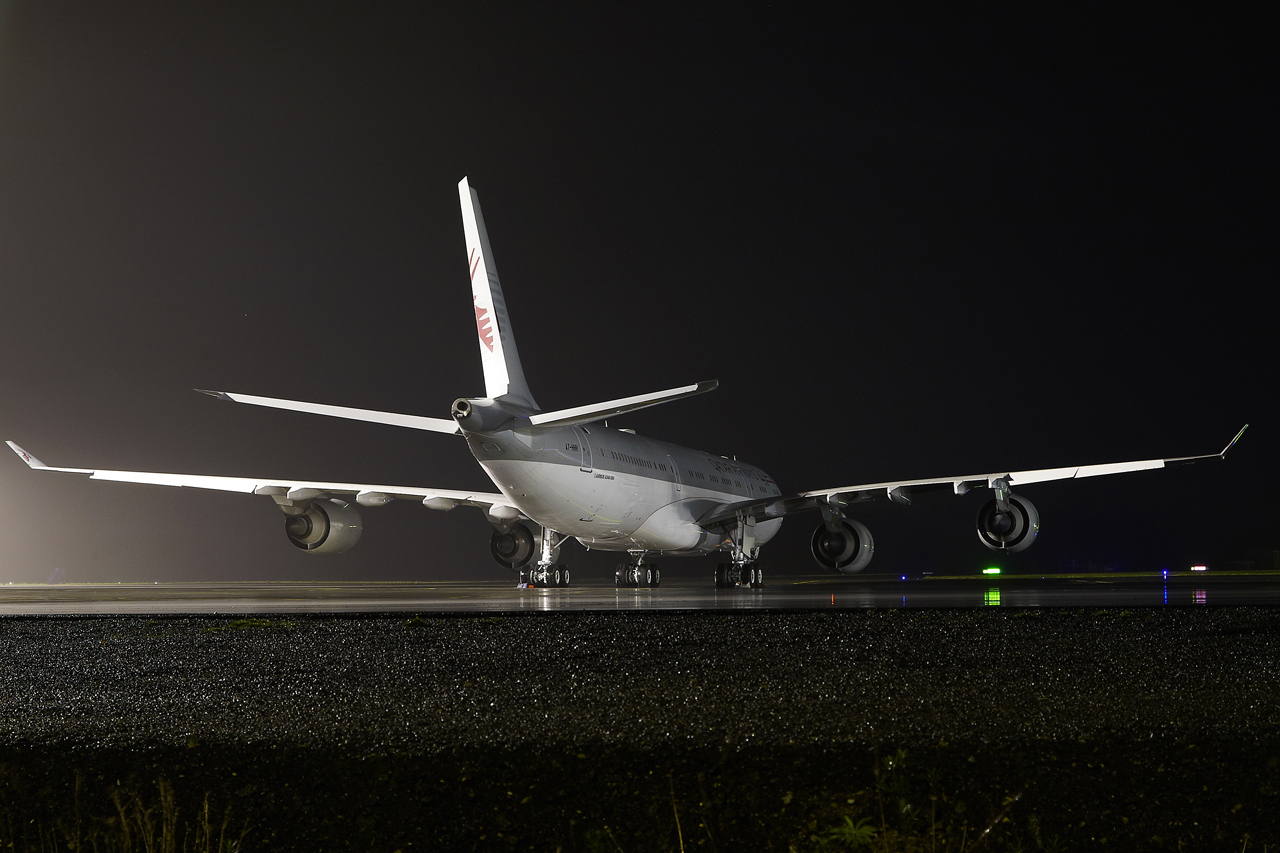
{"x":913,"y":244}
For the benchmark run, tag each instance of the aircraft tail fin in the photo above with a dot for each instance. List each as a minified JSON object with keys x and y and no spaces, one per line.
{"x":503,"y":375}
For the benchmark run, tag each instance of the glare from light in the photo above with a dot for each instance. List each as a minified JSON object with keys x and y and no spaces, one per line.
{"x":991,"y":571}
{"x":1199,"y":568}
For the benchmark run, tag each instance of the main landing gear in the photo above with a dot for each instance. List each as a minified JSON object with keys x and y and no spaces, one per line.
{"x":637,"y":572}
{"x":746,"y":574}
{"x":741,"y":570}
{"x":538,"y":576}
{"x":546,"y":572}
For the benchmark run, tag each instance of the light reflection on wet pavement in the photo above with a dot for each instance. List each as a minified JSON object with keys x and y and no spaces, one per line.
{"x":780,"y":593}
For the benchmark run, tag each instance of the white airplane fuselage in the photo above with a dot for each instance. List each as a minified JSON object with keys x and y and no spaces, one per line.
{"x":616,"y":491}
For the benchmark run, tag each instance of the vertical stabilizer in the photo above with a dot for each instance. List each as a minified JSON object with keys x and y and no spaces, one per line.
{"x":503,"y":376}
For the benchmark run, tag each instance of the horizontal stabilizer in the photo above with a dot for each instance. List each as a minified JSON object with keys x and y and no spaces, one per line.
{"x":600,"y":411}
{"x":389,"y":418}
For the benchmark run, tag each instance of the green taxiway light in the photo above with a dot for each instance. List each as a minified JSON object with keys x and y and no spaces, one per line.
{"x":991,"y":571}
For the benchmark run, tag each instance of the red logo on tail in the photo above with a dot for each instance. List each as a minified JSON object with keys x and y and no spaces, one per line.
{"x":482,"y":326}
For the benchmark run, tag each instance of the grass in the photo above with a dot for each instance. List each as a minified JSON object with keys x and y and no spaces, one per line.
{"x":135,"y":820}
{"x":904,"y":817}
{"x":888,"y":801}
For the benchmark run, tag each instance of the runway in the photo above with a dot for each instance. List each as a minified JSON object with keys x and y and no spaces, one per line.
{"x":1182,"y":589}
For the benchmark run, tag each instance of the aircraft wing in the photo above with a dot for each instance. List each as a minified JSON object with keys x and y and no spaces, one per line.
{"x":364,"y":494}
{"x":900,"y":491}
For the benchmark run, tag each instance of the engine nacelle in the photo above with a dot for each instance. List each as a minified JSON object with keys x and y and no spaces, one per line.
{"x":514,"y":547}
{"x":480,"y":414}
{"x":1013,"y":530}
{"x":847,"y":550}
{"x":325,"y":527}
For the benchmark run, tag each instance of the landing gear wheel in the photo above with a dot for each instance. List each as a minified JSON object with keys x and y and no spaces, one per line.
{"x":657,"y":576}
{"x":620,"y":576}
{"x":648,"y":576}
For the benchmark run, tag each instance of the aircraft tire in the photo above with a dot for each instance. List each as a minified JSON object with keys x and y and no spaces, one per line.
{"x":657,"y":576}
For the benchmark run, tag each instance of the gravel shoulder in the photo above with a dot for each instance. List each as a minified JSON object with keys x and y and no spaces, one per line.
{"x":1147,"y":728}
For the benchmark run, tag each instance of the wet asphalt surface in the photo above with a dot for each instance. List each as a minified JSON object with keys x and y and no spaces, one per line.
{"x":528,"y":730}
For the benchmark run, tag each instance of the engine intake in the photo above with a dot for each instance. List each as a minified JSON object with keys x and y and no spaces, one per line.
{"x":1010,"y":530}
{"x":325,"y":527}
{"x":846,"y":550}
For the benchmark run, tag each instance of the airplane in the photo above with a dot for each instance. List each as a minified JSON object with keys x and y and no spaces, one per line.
{"x":566,"y":475}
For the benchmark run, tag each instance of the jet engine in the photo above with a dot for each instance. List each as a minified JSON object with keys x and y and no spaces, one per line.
{"x":846,"y":550}
{"x":514,"y":547}
{"x":1013,"y":529}
{"x":325,"y":527}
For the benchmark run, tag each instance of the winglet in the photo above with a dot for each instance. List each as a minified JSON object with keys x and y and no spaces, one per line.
{"x":26,"y":457}
{"x":1233,"y":441}
{"x":1220,"y":455}
{"x":217,"y":395}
